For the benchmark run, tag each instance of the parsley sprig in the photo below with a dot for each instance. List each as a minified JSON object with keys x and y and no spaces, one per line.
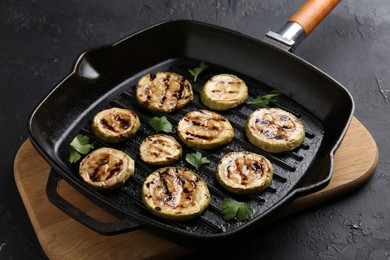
{"x":233,"y":209}
{"x":263,"y":101}
{"x":160,"y":124}
{"x":79,"y":145}
{"x":196,"y":71}
{"x":196,"y":159}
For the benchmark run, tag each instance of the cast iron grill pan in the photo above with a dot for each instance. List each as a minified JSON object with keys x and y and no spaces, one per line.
{"x":68,"y":110}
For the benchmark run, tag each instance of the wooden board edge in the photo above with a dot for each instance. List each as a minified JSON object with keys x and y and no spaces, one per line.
{"x":27,"y":202}
{"x":331,"y":193}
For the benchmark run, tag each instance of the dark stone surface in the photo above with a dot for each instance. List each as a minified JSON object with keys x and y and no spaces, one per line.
{"x":40,"y":39}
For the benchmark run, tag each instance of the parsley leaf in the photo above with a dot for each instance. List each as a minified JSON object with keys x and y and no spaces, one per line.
{"x":263,"y":101}
{"x":74,"y":155}
{"x":196,"y":71}
{"x":79,"y":145}
{"x":160,"y":124}
{"x":196,"y":159}
{"x":232,"y":209}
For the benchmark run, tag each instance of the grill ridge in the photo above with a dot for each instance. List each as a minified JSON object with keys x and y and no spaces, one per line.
{"x":286,"y":165}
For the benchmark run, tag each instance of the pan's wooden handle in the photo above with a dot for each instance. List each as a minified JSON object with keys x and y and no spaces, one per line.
{"x":312,"y":13}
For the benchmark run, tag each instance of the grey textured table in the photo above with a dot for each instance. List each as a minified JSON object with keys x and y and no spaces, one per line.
{"x":40,"y":40}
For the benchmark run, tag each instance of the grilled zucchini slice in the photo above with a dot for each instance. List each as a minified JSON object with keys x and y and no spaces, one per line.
{"x":175,"y":193}
{"x":106,"y":168}
{"x":223,"y":92}
{"x":160,"y":149}
{"x":244,"y":172}
{"x":164,"y":91}
{"x":115,"y":125}
{"x":205,"y":129}
{"x":274,"y":130}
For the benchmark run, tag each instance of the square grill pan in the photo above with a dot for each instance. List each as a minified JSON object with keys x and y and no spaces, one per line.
{"x":106,"y":77}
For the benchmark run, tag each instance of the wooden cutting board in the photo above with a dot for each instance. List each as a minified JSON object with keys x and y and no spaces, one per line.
{"x":64,"y":238}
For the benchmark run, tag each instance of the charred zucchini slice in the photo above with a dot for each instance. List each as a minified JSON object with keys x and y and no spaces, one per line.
{"x":244,"y":172}
{"x":205,"y":129}
{"x":106,"y":168}
{"x":223,"y":92}
{"x":175,"y":193}
{"x":274,"y":130}
{"x":164,"y":91}
{"x":160,"y":149}
{"x":115,"y":125}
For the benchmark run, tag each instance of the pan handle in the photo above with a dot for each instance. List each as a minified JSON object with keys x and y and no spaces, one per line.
{"x":111,"y":228}
{"x":303,"y":22}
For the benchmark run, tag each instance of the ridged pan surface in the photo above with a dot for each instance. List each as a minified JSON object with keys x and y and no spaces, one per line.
{"x":108,"y":86}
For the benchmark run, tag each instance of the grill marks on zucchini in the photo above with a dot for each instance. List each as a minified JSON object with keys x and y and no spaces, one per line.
{"x":175,"y":193}
{"x":106,"y":168}
{"x":164,"y":91}
{"x":244,"y":172}
{"x":274,"y":130}
{"x":205,"y":129}
{"x":115,"y":125}
{"x":160,"y":149}
{"x":223,"y":92}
